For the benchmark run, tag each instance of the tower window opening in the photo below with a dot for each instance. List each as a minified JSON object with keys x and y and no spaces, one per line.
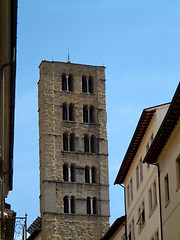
{"x":84,"y":84}
{"x":85,"y":113}
{"x":93,"y":144}
{"x":72,"y":204}
{"x":87,"y":174}
{"x":92,"y":114}
{"x":65,"y":173}
{"x":93,"y":175}
{"x":65,"y":142}
{"x":73,"y":173}
{"x":64,"y":82}
{"x":94,"y":205}
{"x":65,"y":111}
{"x":72,"y":142}
{"x":88,"y":205}
{"x":71,"y":112}
{"x":90,"y":84}
{"x":66,"y":204}
{"x":86,"y":143}
{"x":70,"y":82}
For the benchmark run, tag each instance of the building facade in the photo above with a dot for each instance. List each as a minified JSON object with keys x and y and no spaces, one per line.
{"x":141,"y":180}
{"x":150,"y":174}
{"x":74,"y":187}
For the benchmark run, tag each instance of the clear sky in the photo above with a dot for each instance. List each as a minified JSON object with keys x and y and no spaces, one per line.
{"x":137,"y":41}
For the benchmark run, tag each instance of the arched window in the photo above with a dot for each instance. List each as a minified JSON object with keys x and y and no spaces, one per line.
{"x":84,"y":84}
{"x":90,"y":84}
{"x":65,"y":112}
{"x":65,"y":172}
{"x":94,"y":205}
{"x":73,"y":173}
{"x":70,"y":82}
{"x":64,"y":82}
{"x":72,"y":204}
{"x":88,"y":205}
{"x":93,"y":175}
{"x":65,"y":142}
{"x":72,"y":142}
{"x":71,"y":112}
{"x":93,"y":144}
{"x":92,"y":114}
{"x":87,"y":174}
{"x":66,"y":204}
{"x":86,"y":143}
{"x":85,"y":113}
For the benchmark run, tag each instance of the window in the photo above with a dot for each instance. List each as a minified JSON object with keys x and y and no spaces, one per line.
{"x":66,"y":204}
{"x":72,"y":204}
{"x":68,"y":112}
{"x":88,"y":205}
{"x":93,"y":175}
{"x":141,"y":216}
{"x":130,"y":235}
{"x":94,"y":205}
{"x":65,"y":111}
{"x":65,"y":142}
{"x":143,"y":213}
{"x":147,"y":148}
{"x":85,"y":113}
{"x":71,"y":112}
{"x":178,"y":171}
{"x":69,"y":204}
{"x":150,"y":202}
{"x":73,"y":173}
{"x":84,"y":84}
{"x":87,"y":84}
{"x":131,"y":189}
{"x":86,"y":143}
{"x":128,"y":197}
{"x":137,"y":176}
{"x":154,"y":194}
{"x":93,"y":144}
{"x":72,"y":142}
{"x":157,"y":235}
{"x":92,"y":114}
{"x":87,"y":174}
{"x":68,"y":142}
{"x":141,"y":170}
{"x":88,"y":114}
{"x":67,"y":82}
{"x":65,"y":172}
{"x":166,"y":184}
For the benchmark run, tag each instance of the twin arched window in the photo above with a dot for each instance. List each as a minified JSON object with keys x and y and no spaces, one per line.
{"x":88,"y":114}
{"x":69,"y":204}
{"x":68,"y":142}
{"x":68,"y":112}
{"x":91,"y":204}
{"x":89,"y":144}
{"x":67,"y":82}
{"x":90,"y":174}
{"x":69,"y":173}
{"x":87,"y":84}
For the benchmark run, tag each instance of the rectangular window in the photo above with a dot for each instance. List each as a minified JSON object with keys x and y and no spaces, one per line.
{"x":147,"y":148}
{"x":157,"y":235}
{"x":166,"y":185}
{"x":141,"y":170}
{"x":130,"y":235}
{"x":178,"y":171}
{"x":132,"y":229}
{"x":131,"y":189}
{"x":137,"y":176}
{"x":154,"y":194}
{"x":128,"y":197}
{"x":150,"y":202}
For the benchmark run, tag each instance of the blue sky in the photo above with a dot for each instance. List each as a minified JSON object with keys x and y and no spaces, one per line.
{"x":138,"y":43}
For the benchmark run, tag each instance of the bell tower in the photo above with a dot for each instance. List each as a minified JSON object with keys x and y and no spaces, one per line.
{"x":74,"y":186}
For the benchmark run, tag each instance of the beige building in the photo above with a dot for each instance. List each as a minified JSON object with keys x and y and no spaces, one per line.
{"x":74,"y":187}
{"x":165,"y":153}
{"x":148,"y":209}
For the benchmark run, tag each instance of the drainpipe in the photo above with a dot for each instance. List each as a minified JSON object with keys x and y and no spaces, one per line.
{"x":125,"y":210}
{"x":3,"y":123}
{"x":160,"y":205}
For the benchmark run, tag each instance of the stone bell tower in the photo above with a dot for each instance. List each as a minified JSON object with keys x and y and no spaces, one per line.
{"x":74,"y":186}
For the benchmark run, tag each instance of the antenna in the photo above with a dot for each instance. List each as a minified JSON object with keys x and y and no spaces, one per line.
{"x":68,"y":57}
